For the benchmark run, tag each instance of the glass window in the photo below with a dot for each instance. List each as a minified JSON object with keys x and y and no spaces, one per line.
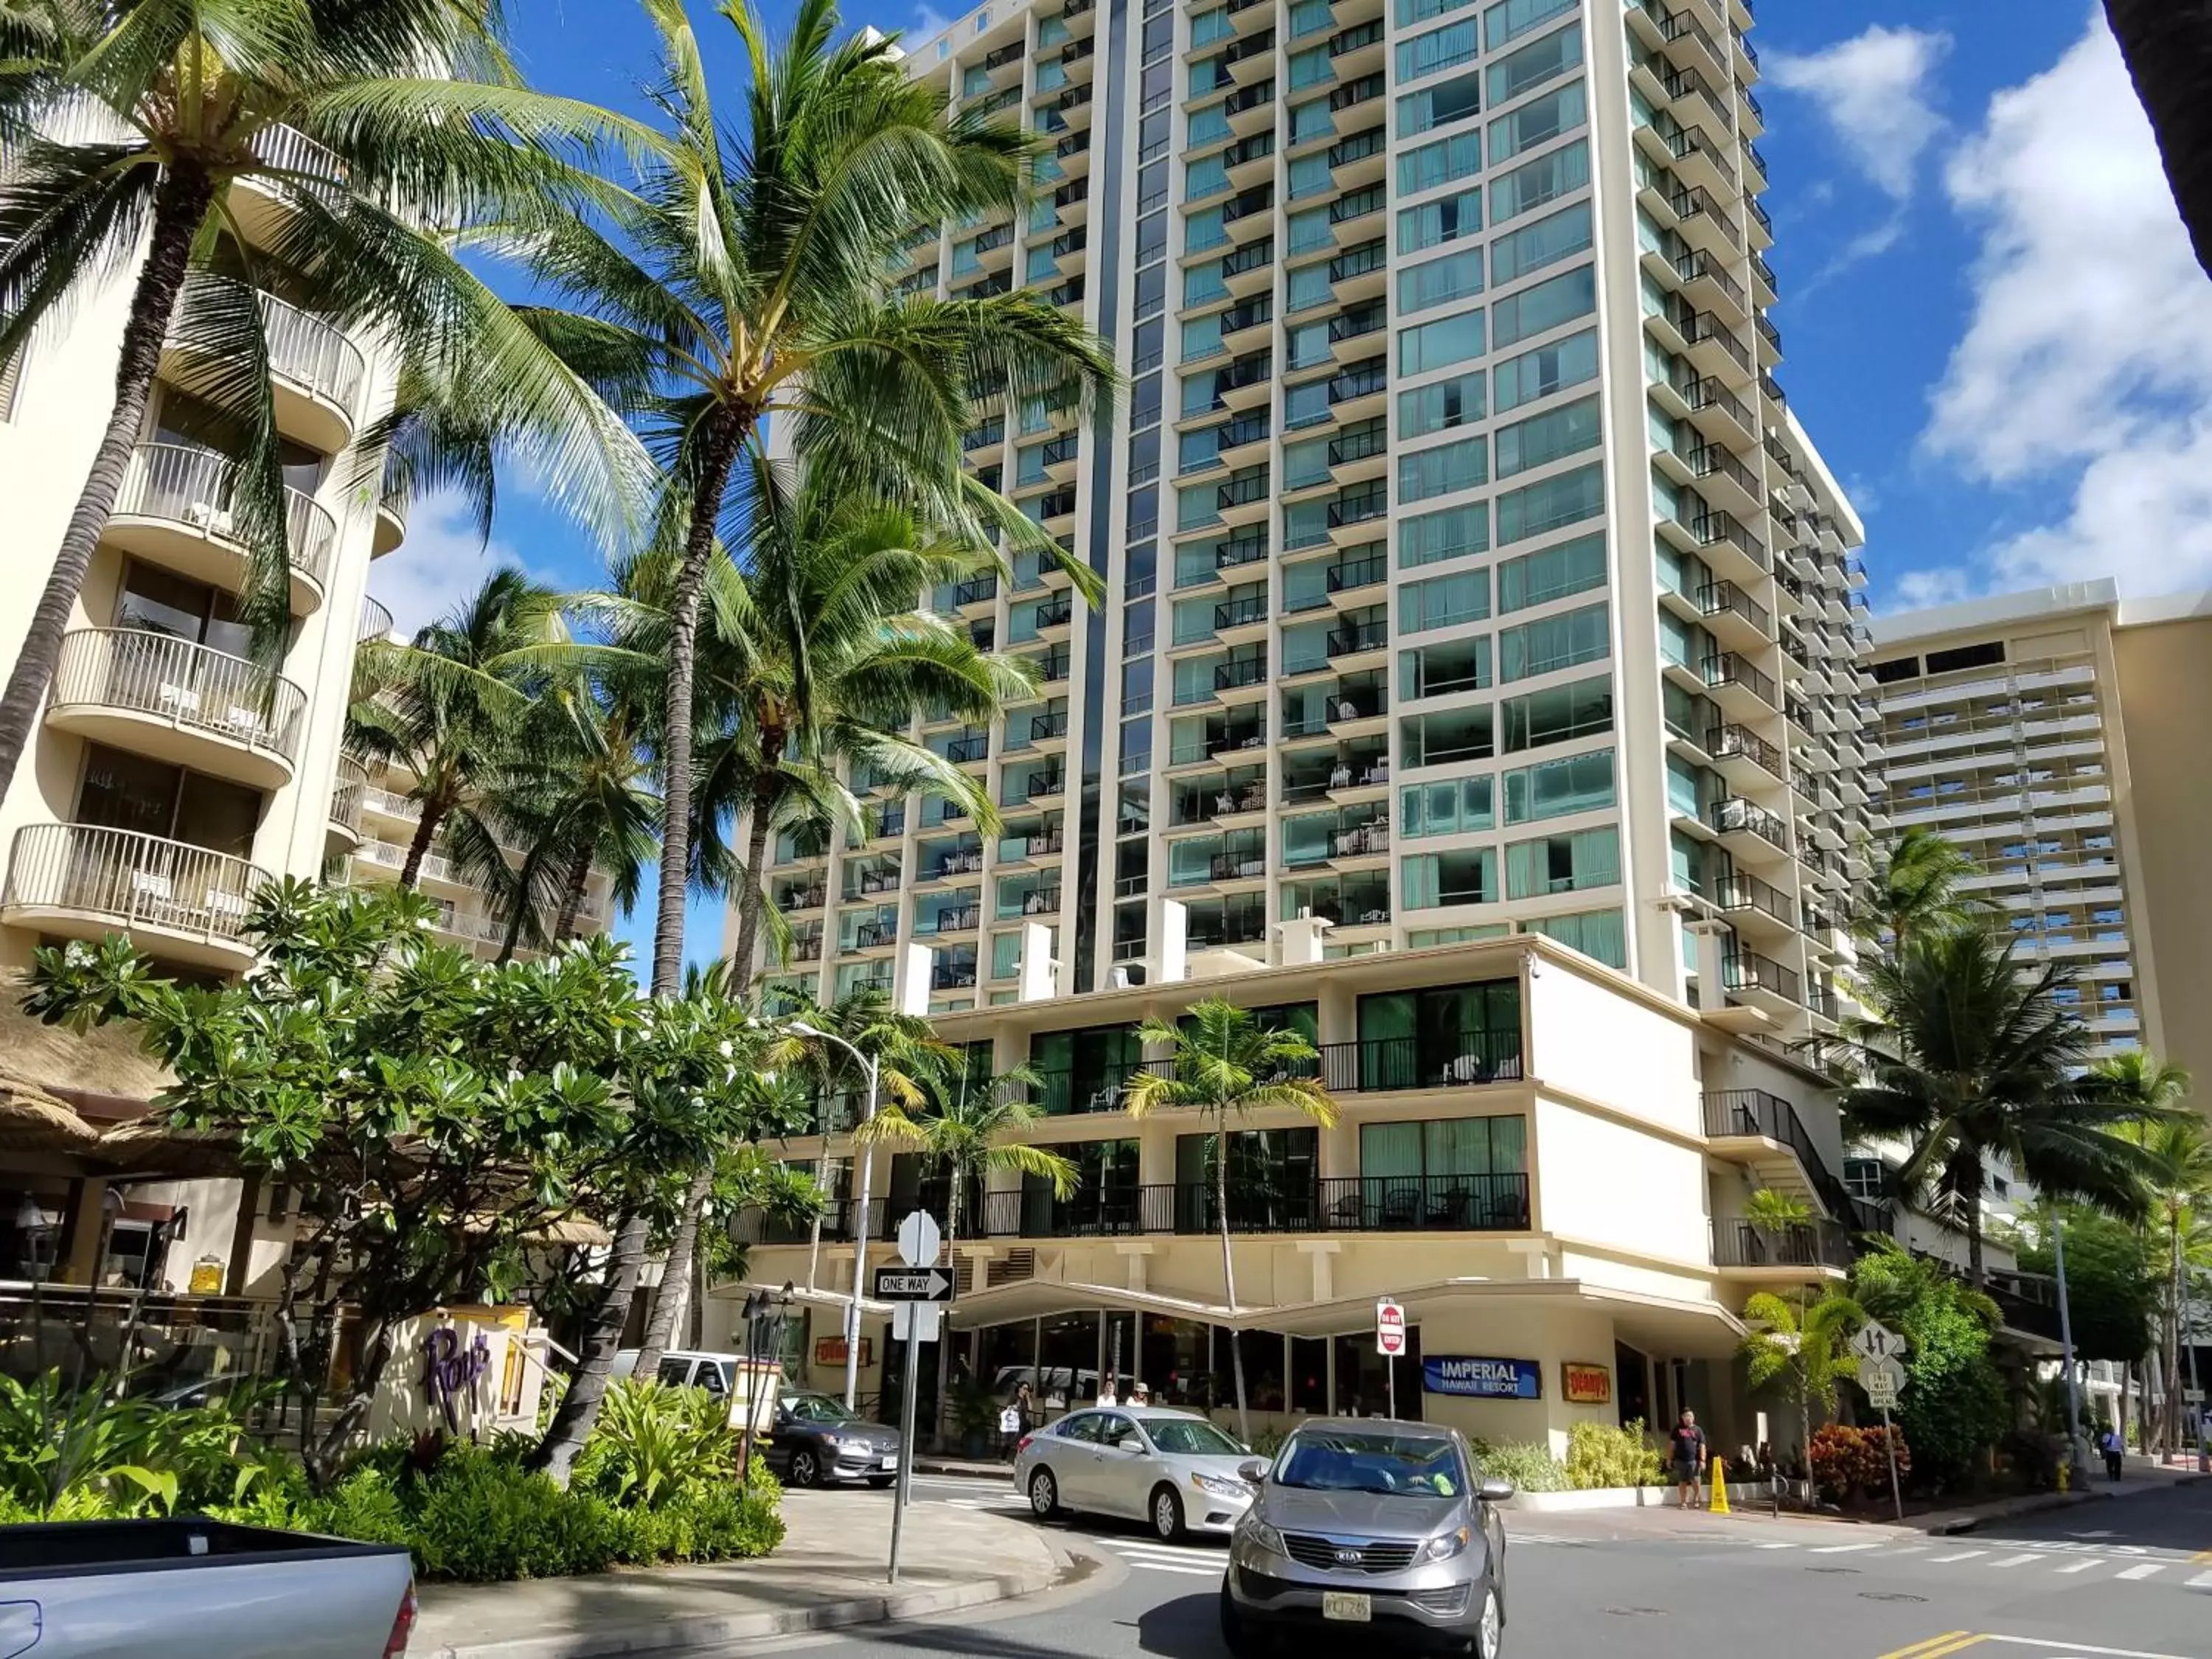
{"x":1419,"y":11}
{"x":1427,"y":538}
{"x":1441,"y":601}
{"x":1533,"y":64}
{"x":1596,"y":933}
{"x":1458,"y":156}
{"x":1543,"y":308}
{"x":1438,"y":105}
{"x":1439,"y":49}
{"x":1546,"y":242}
{"x":1439,"y":407}
{"x":1509,"y":20}
{"x":1563,"y":864}
{"x":1450,"y":808}
{"x":1548,"y":369}
{"x":1556,"y":715}
{"x":1554,"y":643}
{"x":1454,"y":277}
{"x":1444,"y":220}
{"x":1440,"y":471}
{"x":1554,"y":436}
{"x":1434,"y":345}
{"x":1537,"y":122}
{"x":1535,"y":508}
{"x":1544,"y":179}
{"x":1551,"y":789}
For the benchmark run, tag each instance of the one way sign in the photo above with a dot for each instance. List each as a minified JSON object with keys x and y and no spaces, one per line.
{"x":913,"y":1285}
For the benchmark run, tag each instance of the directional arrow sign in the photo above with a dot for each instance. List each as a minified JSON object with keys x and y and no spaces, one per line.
{"x":1875,"y":1341}
{"x":913,"y":1285}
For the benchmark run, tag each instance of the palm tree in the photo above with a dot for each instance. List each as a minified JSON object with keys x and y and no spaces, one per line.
{"x":135,"y":129}
{"x":2177,"y":1189}
{"x":1221,"y":1066}
{"x":1965,"y":1057}
{"x":968,"y":1128}
{"x":2168,"y":47}
{"x":1915,"y":891}
{"x":748,"y":283}
{"x":1800,"y":1345}
{"x":448,"y":708}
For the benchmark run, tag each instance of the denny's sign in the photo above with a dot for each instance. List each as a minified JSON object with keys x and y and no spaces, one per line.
{"x":1583,"y":1384}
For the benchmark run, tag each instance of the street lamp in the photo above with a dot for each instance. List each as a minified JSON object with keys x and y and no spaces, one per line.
{"x":2074,"y":1458}
{"x":761,"y":1309}
{"x":860,"y":1226}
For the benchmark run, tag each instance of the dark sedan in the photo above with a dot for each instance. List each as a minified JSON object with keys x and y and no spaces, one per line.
{"x":818,"y":1441}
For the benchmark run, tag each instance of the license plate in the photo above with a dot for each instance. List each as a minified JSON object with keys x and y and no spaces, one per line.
{"x":1353,"y":1605}
{"x":891,"y":1463}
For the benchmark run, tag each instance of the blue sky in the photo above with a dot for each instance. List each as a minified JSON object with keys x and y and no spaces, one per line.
{"x":1993,"y":327}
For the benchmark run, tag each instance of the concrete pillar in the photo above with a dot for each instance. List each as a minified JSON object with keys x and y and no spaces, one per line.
{"x":86,"y":1234}
{"x":910,"y":991}
{"x":1038,"y":977}
{"x":1174,"y":943}
{"x":1711,"y":937}
{"x":1301,"y":939}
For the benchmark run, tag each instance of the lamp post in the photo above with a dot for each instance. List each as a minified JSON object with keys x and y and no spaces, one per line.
{"x":872,"y":1067}
{"x":2074,"y":1458}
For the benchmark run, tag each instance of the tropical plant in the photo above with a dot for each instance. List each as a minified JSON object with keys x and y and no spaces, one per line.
{"x":441,"y":1115}
{"x":1605,"y":1454}
{"x":1798,"y":1345}
{"x":136,"y":132}
{"x":2167,"y":45}
{"x":1915,"y":890}
{"x":1854,"y":1463}
{"x":2177,"y":1197}
{"x":1965,"y":1057}
{"x":652,"y":1440}
{"x":1528,"y":1464}
{"x":1955,"y":1406}
{"x":2112,"y":1277}
{"x":970,"y":1127}
{"x":448,"y":708}
{"x":1221,"y":1066}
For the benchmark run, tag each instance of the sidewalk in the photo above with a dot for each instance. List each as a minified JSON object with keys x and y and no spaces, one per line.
{"x":828,"y":1573}
{"x":2143,"y":1476}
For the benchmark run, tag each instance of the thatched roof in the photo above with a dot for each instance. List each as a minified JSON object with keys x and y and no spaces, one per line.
{"x":151,"y":1147}
{"x":105,"y":1061}
{"x":33,"y":1120}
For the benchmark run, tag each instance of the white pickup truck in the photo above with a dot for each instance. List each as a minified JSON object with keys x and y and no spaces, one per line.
{"x":162,"y":1590}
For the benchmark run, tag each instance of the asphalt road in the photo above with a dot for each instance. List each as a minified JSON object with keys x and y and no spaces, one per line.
{"x":2126,"y":1580}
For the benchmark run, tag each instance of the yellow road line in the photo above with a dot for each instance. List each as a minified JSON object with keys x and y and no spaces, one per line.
{"x":2201,"y":1555}
{"x":1934,"y":1645}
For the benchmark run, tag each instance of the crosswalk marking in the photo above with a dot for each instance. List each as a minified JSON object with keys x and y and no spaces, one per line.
{"x":1775,"y":1547}
{"x":2144,"y":1570}
{"x":2082,"y":1565}
{"x":1844,"y":1549}
{"x":1963,"y":1555}
{"x":1168,"y":1557}
{"x":2203,"y":1581}
{"x":2017,"y":1560}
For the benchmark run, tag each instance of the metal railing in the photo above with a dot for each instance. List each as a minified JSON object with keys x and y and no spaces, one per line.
{"x":1747,"y":970}
{"x":185,"y":684}
{"x":131,"y":879}
{"x":349,"y":791}
{"x":195,"y":486}
{"x":375,"y":621}
{"x":1807,"y":1244}
{"x":313,"y":352}
{"x":1418,"y":1062}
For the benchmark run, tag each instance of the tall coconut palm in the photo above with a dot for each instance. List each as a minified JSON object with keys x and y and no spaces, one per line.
{"x":2177,"y":1192}
{"x":968,"y":1128}
{"x":1223,"y":1066}
{"x":1964,"y":1058}
{"x":752,"y":285}
{"x":2168,"y":47}
{"x":449,"y":707}
{"x":1915,"y":890}
{"x":135,"y":131}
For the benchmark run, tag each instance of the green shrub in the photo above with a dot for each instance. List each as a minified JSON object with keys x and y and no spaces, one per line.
{"x":1530,"y":1466}
{"x":366,"y":1504}
{"x":1599,"y":1455}
{"x":483,"y":1519}
{"x":653,"y":1441}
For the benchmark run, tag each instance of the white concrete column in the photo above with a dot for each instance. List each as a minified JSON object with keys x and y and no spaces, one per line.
{"x":1301,"y":939}
{"x":1712,"y":988}
{"x":910,"y":990}
{"x":1037,"y":978}
{"x":1174,"y":943}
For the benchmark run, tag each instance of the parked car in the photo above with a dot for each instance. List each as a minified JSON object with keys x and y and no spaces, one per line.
{"x":816,"y":1440}
{"x":1172,"y":1470}
{"x":1373,"y":1523}
{"x":687,"y":1368}
{"x":149,"y":1590}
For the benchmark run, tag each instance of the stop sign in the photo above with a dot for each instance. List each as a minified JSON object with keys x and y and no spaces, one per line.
{"x":1389,"y":1329}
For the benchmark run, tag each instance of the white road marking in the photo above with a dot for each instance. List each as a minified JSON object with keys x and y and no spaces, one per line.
{"x":2203,"y":1581}
{"x":1844,"y":1549}
{"x":2076,"y":1647}
{"x":2016,"y":1560}
{"x":1911,"y":1549}
{"x":1963,"y":1555}
{"x":2143,"y":1572}
{"x":1774,"y":1547}
{"x":2082,"y":1565}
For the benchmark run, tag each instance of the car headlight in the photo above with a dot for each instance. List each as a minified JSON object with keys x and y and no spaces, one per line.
{"x":1262,"y":1536}
{"x":1444,"y":1547}
{"x":1220,"y":1487}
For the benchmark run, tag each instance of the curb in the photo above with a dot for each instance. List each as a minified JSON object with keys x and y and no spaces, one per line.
{"x":669,"y":1636}
{"x":1003,"y":1472}
{"x":2039,"y":1503}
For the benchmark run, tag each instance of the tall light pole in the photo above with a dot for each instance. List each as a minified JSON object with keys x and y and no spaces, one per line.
{"x":2066,"y":1342}
{"x":860,"y":1226}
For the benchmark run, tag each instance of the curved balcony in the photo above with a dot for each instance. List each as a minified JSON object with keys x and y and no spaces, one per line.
{"x":154,"y":694}
{"x":262,"y":208}
{"x":375,"y":621}
{"x":183,"y":902}
{"x":175,"y":508}
{"x":348,"y":801}
{"x":315,"y":373}
{"x":390,"y":515}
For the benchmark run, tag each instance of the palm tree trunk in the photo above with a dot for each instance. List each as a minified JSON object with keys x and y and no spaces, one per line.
{"x":1977,"y":1273}
{"x":2172,"y":1438}
{"x":2167,"y":45}
{"x":1229,"y":1282}
{"x":755,"y":895}
{"x":579,"y":1406}
{"x":180,"y":207}
{"x":572,"y":897}
{"x":674,"y":1274}
{"x":723,"y":443}
{"x":517,"y":912}
{"x":945,"y":1325}
{"x":426,"y":831}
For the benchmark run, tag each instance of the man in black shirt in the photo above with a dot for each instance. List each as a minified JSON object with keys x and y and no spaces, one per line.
{"x":1687,"y":1450}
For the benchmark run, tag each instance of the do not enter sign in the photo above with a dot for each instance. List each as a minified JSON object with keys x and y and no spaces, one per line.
{"x":1389,"y":1329}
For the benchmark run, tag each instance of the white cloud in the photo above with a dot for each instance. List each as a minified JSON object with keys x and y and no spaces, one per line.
{"x":1875,"y":91}
{"x":2085,"y":368}
{"x":442,"y":563}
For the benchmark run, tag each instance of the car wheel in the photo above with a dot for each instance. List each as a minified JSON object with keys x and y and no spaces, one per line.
{"x":1489,"y":1628}
{"x":805,"y":1468}
{"x":1167,"y":1516}
{"x":1044,"y":1495}
{"x":1234,"y":1636}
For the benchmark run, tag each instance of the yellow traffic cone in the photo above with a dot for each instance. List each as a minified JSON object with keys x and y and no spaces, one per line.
{"x":1719,"y":1504}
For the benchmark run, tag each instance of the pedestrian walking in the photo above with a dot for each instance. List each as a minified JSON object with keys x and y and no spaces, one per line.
{"x":1687,"y":1443}
{"x":2116,"y":1453}
{"x":1109,"y":1391}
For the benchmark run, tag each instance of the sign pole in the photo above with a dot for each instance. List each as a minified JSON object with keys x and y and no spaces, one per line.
{"x":1889,"y":1444}
{"x":915,"y":1316}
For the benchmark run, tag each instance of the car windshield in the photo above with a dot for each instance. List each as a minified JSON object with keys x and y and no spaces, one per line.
{"x":1390,"y":1465}
{"x":818,"y":1408}
{"x":1192,"y":1436}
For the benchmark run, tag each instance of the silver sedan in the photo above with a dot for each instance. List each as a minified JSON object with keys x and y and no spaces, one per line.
{"x":1173,"y":1470}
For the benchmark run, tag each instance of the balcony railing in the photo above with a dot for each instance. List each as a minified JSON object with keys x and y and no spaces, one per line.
{"x":1734,"y":815}
{"x":1754,"y":1114}
{"x":349,"y":792}
{"x":1808,"y":1244}
{"x":1414,"y":1062}
{"x":131,"y":880}
{"x":189,"y":486}
{"x":181,"y":684}
{"x":375,"y":621}
{"x":1747,"y":970}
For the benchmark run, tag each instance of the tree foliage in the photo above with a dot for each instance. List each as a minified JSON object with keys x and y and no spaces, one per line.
{"x":1954,"y":1406}
{"x":2113,"y":1279}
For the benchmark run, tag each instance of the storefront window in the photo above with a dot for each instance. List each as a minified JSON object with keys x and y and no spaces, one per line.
{"x":1309,"y":1374}
{"x":1362,"y":1387}
{"x":1263,"y":1370}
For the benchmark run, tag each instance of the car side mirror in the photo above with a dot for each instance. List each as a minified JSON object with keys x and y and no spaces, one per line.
{"x":1254,"y":1469}
{"x":1494,"y":1489}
